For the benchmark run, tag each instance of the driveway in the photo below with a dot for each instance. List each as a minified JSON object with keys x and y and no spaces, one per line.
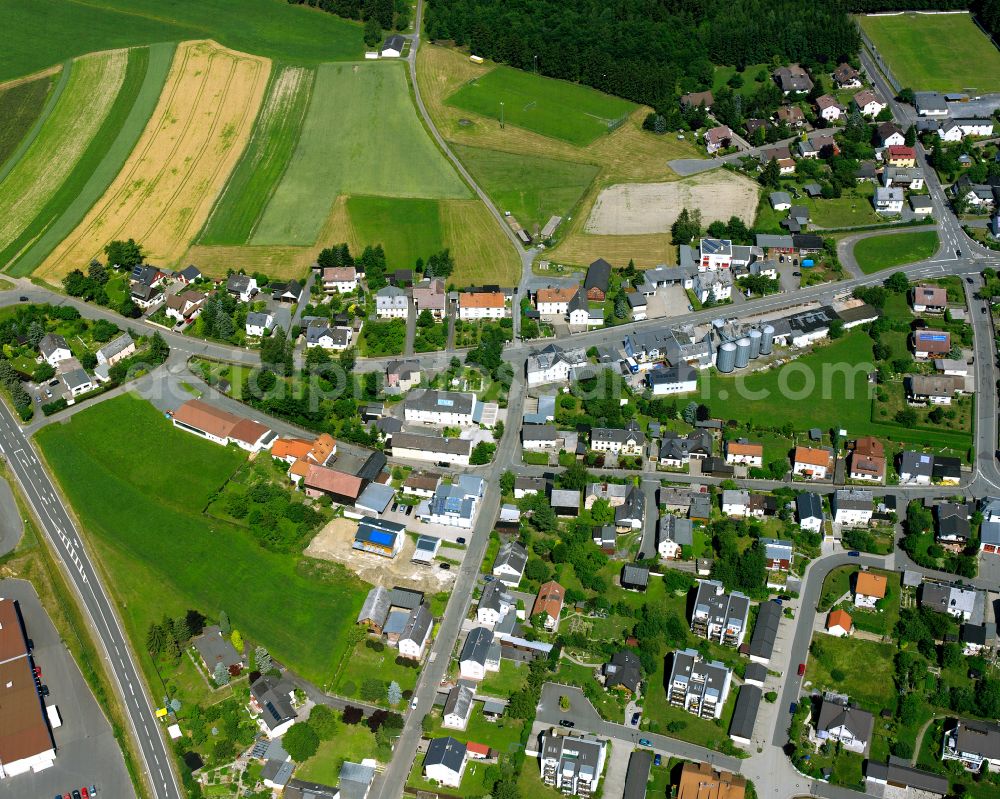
{"x":614,"y":777}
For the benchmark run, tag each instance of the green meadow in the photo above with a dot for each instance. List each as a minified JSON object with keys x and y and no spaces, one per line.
{"x":569,"y":111}
{"x":360,"y":136}
{"x":139,"y":487}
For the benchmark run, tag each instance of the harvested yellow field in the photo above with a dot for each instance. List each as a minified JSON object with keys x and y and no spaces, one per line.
{"x":167,"y":188}
{"x":481,"y":250}
{"x":278,"y":262}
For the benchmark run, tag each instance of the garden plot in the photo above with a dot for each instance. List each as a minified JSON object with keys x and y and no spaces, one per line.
{"x":166,"y":189}
{"x":94,"y":83}
{"x":641,"y":208}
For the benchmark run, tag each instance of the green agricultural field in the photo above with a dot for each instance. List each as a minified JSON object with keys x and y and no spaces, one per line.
{"x":20,"y":107}
{"x":142,"y":508}
{"x":407,"y":229}
{"x":93,"y":86}
{"x":294,"y":34}
{"x":262,"y":164}
{"x":559,"y":109}
{"x":799,"y":395}
{"x":881,"y":252}
{"x":361,"y":136}
{"x":100,"y":163}
{"x":532,"y":188}
{"x":920,"y":50}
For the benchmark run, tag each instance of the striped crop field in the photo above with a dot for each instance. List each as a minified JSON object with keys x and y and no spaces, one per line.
{"x":100,"y":163}
{"x":361,"y":135}
{"x":166,"y":189}
{"x":239,"y":207}
{"x":93,"y":86}
{"x":21,"y":104}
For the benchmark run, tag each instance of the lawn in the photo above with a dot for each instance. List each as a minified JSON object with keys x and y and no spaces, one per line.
{"x":262,"y":164}
{"x":99,"y":164}
{"x":20,"y":107}
{"x":532,"y":188}
{"x":290,"y":33}
{"x":864,"y":670}
{"x":509,"y":680}
{"x":92,"y":89}
{"x":361,"y":135}
{"x":826,"y":388}
{"x":504,"y":735}
{"x":364,"y":662}
{"x":141,"y":505}
{"x":852,"y":208}
{"x":659,"y":713}
{"x":836,"y":584}
{"x":567,"y":111}
{"x":881,"y":252}
{"x":407,"y":228}
{"x":920,"y":50}
{"x":354,"y":742}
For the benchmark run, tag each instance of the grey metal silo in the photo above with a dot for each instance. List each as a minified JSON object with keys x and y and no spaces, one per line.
{"x":767,"y":340}
{"x":755,"y":339}
{"x":726,"y":359}
{"x":742,"y":352}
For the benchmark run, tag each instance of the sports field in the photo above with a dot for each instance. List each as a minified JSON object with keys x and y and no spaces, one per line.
{"x":567,"y":111}
{"x":936,"y":52}
{"x":20,"y":106}
{"x":99,"y":164}
{"x":880,"y":252}
{"x":361,"y":136}
{"x":532,"y":188}
{"x":185,"y":155}
{"x":142,"y":507}
{"x":93,"y":85}
{"x":262,"y":164}
{"x":40,"y":33}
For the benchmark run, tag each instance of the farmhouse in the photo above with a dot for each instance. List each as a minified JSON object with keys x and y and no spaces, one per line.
{"x":555,"y":301}
{"x":933,"y":389}
{"x":673,"y":533}
{"x":474,"y":305}
{"x":222,"y":427}
{"x":549,"y":604}
{"x":745,"y":452}
{"x":619,"y":442}
{"x":243,"y":287}
{"x":718,"y":138}
{"x":812,"y":463}
{"x":698,"y":686}
{"x":793,"y":79}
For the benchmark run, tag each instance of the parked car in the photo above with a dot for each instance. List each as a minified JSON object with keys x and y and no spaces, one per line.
{"x":657,"y":759}
{"x":635,"y":718}
{"x":566,"y":723}
{"x":983,"y":309}
{"x":488,"y":578}
{"x":776,"y":601}
{"x":645,"y":742}
{"x":460,"y":540}
{"x":854,"y":554}
{"x":409,"y":510}
{"x":85,"y":792}
{"x":968,"y":280}
{"x":793,"y":707}
{"x":22,"y":298}
{"x":38,"y":672}
{"x":395,"y":506}
{"x":45,"y":690}
{"x":444,"y":566}
{"x":958,"y":253}
{"x":802,"y":669}
{"x":796,"y":274}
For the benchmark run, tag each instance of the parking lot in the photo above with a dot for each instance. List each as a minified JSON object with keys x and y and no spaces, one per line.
{"x":86,"y":751}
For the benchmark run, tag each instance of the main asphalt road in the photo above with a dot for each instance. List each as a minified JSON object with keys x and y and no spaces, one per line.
{"x":59,"y":529}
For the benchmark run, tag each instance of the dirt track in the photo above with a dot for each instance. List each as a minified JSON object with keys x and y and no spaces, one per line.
{"x":643,"y":208}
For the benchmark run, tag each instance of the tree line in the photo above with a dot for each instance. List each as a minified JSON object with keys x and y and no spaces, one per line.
{"x":645,"y":50}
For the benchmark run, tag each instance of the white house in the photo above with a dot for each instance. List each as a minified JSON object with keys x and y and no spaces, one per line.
{"x":391,"y":302}
{"x":258,"y":324}
{"x":572,"y":764}
{"x":458,"y":707}
{"x":508,"y":567}
{"x":715,"y":254}
{"x":243,"y":287}
{"x":828,"y":107}
{"x":869,"y":588}
{"x":413,"y":639}
{"x":809,"y":509}
{"x":117,"y":349}
{"x":393,"y":46}
{"x":736,"y":503}
{"x":444,"y":408}
{"x":553,"y":365}
{"x":340,"y":279}
{"x":745,"y":453}
{"x":422,"y":447}
{"x":717,"y":285}
{"x":812,"y":463}
{"x":444,"y":762}
{"x":329,"y":338}
{"x":54,"y":349}
{"x":474,"y":305}
{"x":973,"y":743}
{"x":888,"y":200}
{"x":629,"y":441}
{"x":480,"y":654}
{"x":852,"y":507}
{"x":680,"y":379}
{"x":842,"y":722}
{"x":868,"y":103}
{"x":494,"y":604}
{"x":555,"y":301}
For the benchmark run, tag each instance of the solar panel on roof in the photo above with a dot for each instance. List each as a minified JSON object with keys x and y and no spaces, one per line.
{"x":447,"y":403}
{"x":378,"y":537}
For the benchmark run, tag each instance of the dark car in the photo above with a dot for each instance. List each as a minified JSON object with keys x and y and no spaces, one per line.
{"x":983,"y":309}
{"x":657,"y":760}
{"x":635,"y":719}
{"x":460,"y":540}
{"x":22,"y":298}
{"x":444,"y":566}
{"x":796,"y":274}
{"x":785,"y":597}
{"x":968,"y":280}
{"x":566,"y":723}
{"x":793,"y":707}
{"x":409,"y":510}
{"x":776,"y":601}
{"x":854,"y":554}
{"x":958,"y":253}
{"x":76,"y":795}
{"x":45,"y":690}
{"x":395,"y":506}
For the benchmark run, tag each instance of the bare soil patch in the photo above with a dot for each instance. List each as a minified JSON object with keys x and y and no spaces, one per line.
{"x":644,"y":208}
{"x":335,"y":542}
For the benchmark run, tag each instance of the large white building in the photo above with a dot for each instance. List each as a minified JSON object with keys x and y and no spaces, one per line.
{"x":391,"y":302}
{"x":444,"y":408}
{"x":473,"y":305}
{"x":572,"y":764}
{"x":698,"y":686}
{"x":852,"y":507}
{"x":553,"y":365}
{"x":420,"y":447}
{"x":720,"y":616}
